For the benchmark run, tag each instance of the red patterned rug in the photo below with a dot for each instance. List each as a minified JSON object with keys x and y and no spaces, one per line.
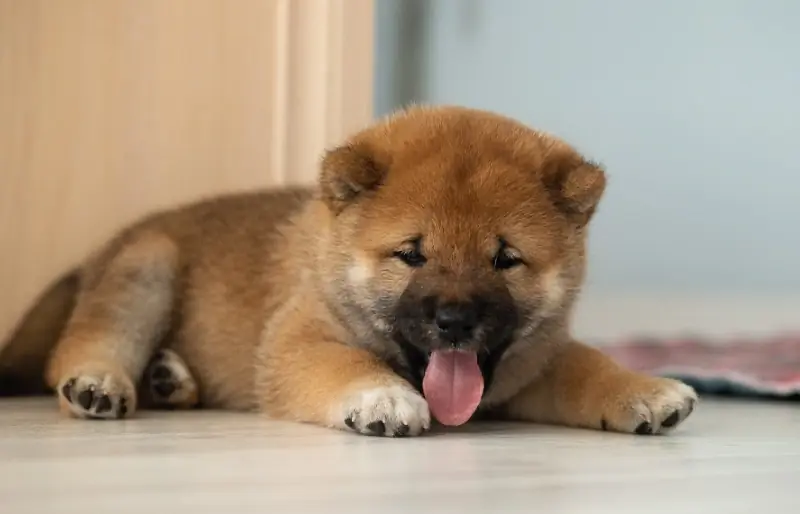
{"x":766,"y":368}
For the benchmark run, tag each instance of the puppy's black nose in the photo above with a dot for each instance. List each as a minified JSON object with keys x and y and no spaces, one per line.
{"x":456,"y":321}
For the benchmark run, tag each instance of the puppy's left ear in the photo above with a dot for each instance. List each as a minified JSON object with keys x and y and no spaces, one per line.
{"x":348,"y":172}
{"x":576,"y":185}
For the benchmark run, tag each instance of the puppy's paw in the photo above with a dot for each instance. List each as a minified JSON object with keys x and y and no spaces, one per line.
{"x":392,"y":411}
{"x":97,"y":394}
{"x":168,"y":383}
{"x":648,"y":405}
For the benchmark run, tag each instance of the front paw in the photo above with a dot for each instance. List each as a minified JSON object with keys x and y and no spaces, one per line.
{"x":647,"y":405}
{"x":392,"y":411}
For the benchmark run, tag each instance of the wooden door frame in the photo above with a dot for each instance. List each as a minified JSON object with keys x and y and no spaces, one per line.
{"x":324,"y":80}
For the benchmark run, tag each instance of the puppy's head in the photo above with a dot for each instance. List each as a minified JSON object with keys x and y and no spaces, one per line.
{"x":457,"y":229}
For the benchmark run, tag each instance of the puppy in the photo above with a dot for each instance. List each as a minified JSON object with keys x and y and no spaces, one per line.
{"x":430,"y":273}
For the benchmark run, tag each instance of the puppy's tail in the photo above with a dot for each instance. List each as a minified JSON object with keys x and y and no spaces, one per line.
{"x":24,"y":355}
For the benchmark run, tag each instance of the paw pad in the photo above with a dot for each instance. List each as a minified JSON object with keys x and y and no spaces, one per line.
{"x":169,"y":383}
{"x":88,"y":398}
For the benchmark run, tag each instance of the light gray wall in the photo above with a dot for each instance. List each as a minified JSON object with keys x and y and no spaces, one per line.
{"x":693,"y":106}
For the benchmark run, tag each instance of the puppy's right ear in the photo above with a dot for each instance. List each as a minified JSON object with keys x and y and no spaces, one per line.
{"x":349,"y":171}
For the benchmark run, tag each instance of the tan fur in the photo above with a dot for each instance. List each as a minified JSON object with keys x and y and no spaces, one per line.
{"x":23,"y":356}
{"x":282,"y":301}
{"x":581,"y":387}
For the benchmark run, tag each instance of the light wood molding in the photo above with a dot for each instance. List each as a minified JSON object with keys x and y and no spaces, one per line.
{"x":324,"y":75}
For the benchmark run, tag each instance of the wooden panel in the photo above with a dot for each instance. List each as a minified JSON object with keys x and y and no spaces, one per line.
{"x":111,"y":109}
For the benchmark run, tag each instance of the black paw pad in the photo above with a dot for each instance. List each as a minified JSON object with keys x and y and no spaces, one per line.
{"x":377,"y":427}
{"x":350,"y":423}
{"x":66,"y":389}
{"x":86,"y":398}
{"x":161,"y":372}
{"x":671,"y":420}
{"x":164,"y":389}
{"x":402,"y":430}
{"x":163,"y":382}
{"x":103,"y":404}
{"x":645,"y":428}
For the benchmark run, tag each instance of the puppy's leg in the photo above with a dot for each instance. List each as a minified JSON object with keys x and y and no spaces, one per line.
{"x":305,"y":375}
{"x":582,"y":387}
{"x":122,"y":311}
{"x":168,"y":383}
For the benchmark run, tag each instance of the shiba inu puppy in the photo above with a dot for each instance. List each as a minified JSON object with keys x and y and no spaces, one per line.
{"x":431,"y":272}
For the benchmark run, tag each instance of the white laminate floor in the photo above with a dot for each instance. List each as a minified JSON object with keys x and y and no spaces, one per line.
{"x":730,"y":457}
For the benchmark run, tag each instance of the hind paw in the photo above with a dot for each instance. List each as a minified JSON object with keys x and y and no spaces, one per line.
{"x":97,"y":395}
{"x":168,"y":383}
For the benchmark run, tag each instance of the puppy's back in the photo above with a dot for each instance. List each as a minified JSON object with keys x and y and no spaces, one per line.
{"x":225,"y":243}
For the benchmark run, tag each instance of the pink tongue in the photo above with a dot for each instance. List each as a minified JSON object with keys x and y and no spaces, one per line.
{"x":453,"y":386}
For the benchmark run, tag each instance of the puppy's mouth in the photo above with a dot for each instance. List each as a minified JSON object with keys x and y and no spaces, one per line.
{"x":452,"y":375}
{"x":453,"y":385}
{"x":453,"y":350}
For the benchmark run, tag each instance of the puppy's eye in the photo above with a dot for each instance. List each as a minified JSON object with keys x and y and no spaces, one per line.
{"x":506,"y":258}
{"x":411,"y":255}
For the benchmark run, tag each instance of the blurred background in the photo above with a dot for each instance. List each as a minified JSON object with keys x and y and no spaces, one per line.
{"x":112,"y":109}
{"x":692,"y":107}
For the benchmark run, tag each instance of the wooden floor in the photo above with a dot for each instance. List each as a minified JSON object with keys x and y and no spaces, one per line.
{"x":729,"y":458}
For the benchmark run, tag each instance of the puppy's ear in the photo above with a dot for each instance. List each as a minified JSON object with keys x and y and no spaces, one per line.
{"x":575,"y":184}
{"x":348,"y":171}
